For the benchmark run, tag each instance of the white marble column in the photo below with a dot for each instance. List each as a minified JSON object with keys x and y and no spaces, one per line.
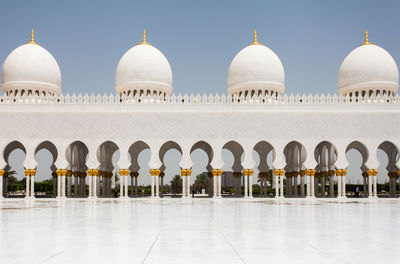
{"x":246,"y":180}
{"x":217,"y":182}
{"x":251,"y":172}
{"x":126,"y":185}
{"x":215,"y":179}
{"x":27,"y":173}
{"x":94,"y":185}
{"x":90,"y":183}
{"x":188,"y":174}
{"x":32,"y":183}
{"x":276,"y":176}
{"x":58,"y":172}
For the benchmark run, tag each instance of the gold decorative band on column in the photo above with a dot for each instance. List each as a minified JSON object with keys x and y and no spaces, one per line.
{"x":312,"y":173}
{"x":30,"y":172}
{"x":186,"y":172}
{"x":251,"y":172}
{"x":308,"y":172}
{"x":392,"y":174}
{"x":341,"y":172}
{"x":279,"y":172}
{"x":374,"y":172}
{"x":331,"y":173}
{"x":93,"y":172}
{"x":216,"y":172}
{"x":1,"y":172}
{"x":69,"y":173}
{"x":125,"y":172}
{"x":155,"y":172}
{"x":302,"y":173}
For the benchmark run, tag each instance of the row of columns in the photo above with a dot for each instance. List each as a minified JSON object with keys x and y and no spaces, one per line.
{"x":64,"y":181}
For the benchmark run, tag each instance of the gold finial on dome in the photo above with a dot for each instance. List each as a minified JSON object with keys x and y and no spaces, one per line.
{"x":32,"y":38}
{"x":255,"y":41}
{"x":144,"y":38}
{"x":366,"y":42}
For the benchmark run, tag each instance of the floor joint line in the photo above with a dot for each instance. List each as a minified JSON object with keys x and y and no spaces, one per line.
{"x":152,"y":245}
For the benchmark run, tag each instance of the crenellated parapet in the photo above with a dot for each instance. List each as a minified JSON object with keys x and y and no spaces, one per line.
{"x":211,"y":99}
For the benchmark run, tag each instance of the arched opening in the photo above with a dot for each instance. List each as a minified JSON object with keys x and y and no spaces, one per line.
{"x":76,"y":155}
{"x":14,"y":180}
{"x":170,"y":155}
{"x":389,"y":156}
{"x":203,"y":181}
{"x":295,"y":155}
{"x":266,"y":154}
{"x":357,"y":177}
{"x":231,"y":179}
{"x":140,"y":154}
{"x":108,"y":155}
{"x":46,"y":178}
{"x":326,"y":155}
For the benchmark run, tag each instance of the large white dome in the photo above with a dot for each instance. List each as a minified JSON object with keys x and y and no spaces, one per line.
{"x":256,"y":69}
{"x":367,"y":70}
{"x":142,"y":70}
{"x":31,"y":69}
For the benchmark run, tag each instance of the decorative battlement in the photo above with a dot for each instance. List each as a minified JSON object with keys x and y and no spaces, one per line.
{"x":212,"y":99}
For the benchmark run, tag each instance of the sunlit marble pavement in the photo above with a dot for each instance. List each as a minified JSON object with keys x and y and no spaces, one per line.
{"x":200,"y":231}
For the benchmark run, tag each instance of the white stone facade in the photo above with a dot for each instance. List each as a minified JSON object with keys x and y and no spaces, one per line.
{"x":296,"y":128}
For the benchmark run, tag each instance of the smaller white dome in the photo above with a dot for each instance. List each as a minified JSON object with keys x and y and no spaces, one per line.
{"x":368,"y":69}
{"x":143,"y":69}
{"x":256,"y":69}
{"x":31,"y":68}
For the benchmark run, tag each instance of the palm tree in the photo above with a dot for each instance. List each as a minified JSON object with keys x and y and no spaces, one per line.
{"x":201,"y":182}
{"x":176,"y":184}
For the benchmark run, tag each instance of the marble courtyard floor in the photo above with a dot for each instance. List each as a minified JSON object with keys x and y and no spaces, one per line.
{"x":200,"y":231}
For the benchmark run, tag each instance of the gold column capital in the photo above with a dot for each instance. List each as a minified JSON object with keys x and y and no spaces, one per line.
{"x":245,"y":172}
{"x":312,"y":172}
{"x":1,"y":172}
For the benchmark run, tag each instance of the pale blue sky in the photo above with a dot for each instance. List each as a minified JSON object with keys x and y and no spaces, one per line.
{"x":200,"y":39}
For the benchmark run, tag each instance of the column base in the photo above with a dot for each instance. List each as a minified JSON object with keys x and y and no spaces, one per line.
{"x":61,"y":198}
{"x":310,"y":197}
{"x":217,"y":198}
{"x":29,"y":198}
{"x":373,"y":198}
{"x":92,"y":198}
{"x":248,"y":197}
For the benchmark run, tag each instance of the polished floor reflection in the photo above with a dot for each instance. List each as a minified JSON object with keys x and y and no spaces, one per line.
{"x":200,"y":231}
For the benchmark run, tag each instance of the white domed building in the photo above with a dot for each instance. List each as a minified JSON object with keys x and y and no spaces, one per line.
{"x":143,"y":70}
{"x":306,"y":136}
{"x":368,"y":70}
{"x":31,"y":69}
{"x":256,"y":69}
